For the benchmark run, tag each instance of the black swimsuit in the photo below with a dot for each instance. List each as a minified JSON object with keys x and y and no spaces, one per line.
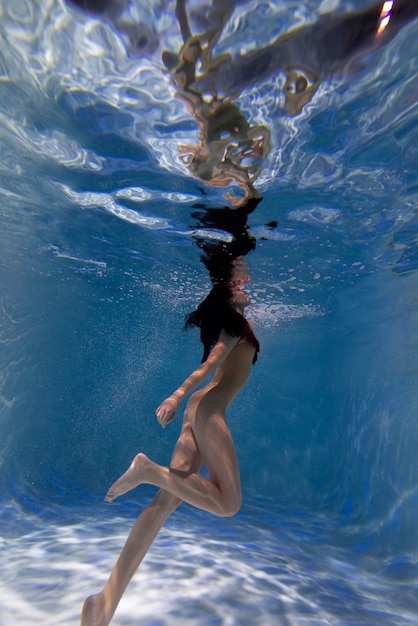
{"x":248,"y":334}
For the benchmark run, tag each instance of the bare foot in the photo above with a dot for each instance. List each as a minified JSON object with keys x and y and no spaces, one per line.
{"x":93,"y":613}
{"x":134,"y":476}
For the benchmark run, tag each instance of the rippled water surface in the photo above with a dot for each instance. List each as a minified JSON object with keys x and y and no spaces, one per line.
{"x":104,"y":216}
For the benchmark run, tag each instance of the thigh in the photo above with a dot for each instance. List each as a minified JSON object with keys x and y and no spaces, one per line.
{"x":186,"y":457}
{"x":215,"y":443}
{"x":186,"y":454}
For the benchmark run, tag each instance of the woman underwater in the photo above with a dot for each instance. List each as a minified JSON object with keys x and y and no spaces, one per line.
{"x":230,"y":348}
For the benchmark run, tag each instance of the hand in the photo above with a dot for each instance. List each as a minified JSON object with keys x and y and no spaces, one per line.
{"x":167,"y":411}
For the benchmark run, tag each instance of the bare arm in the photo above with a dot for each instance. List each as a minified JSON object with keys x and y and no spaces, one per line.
{"x":168,"y":409}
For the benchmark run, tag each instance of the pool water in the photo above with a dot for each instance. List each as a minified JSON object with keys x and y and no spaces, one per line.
{"x":102,"y":224}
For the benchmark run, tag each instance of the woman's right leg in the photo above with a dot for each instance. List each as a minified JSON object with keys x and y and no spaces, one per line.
{"x":221,"y":493}
{"x":99,"y":608}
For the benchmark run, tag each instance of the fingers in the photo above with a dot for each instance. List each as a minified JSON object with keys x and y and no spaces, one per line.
{"x":164,"y":417}
{"x":160,"y":417}
{"x":168,"y":418}
{"x":166,"y":412}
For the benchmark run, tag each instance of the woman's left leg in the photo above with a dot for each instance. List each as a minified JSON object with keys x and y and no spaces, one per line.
{"x":99,"y":608}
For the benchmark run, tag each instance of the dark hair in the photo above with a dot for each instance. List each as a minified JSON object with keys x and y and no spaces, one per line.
{"x":214,"y":314}
{"x":218,"y":256}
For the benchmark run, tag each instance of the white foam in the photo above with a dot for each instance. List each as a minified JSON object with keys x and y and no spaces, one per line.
{"x":90,"y":200}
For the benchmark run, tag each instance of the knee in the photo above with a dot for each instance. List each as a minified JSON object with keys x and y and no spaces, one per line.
{"x":167,"y":500}
{"x":231,"y":506}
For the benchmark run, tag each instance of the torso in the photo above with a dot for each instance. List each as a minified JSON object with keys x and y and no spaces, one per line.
{"x":228,"y":378}
{"x":235,"y":370}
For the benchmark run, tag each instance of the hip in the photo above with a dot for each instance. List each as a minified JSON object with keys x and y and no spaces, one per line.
{"x":205,"y":402}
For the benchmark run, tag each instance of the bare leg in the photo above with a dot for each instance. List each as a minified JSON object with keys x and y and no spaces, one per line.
{"x":99,"y":608}
{"x":221,"y":494}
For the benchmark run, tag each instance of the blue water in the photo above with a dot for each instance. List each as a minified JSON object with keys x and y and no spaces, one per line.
{"x":99,"y":265}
